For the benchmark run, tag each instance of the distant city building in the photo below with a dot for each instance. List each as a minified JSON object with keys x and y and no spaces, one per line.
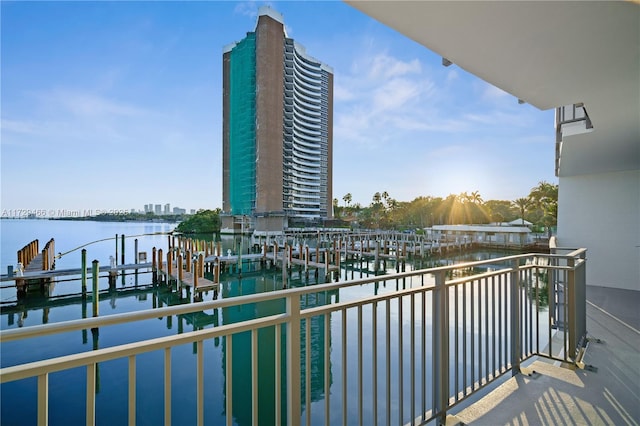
{"x":192,"y":211}
{"x":159,"y":209}
{"x":277,"y":131}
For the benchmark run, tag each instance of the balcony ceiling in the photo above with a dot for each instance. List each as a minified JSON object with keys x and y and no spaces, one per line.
{"x":547,"y":53}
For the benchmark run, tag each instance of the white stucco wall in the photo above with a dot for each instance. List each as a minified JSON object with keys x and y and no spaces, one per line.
{"x":602,"y":213}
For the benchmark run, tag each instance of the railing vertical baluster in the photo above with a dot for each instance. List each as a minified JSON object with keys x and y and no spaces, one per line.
{"x":327,"y":369}
{"x":530,"y":294}
{"x":91,"y":394}
{"x":254,"y":376}
{"x":388,"y":360}
{"x":423,"y":362}
{"x":167,"y":386}
{"x":43,"y":399}
{"x":360,"y":364}
{"x":486,"y":329}
{"x":293,"y":359}
{"x":456,"y":337}
{"x":537,"y":295}
{"x":229,"y":379}
{"x":516,"y":349}
{"x":132,"y":390}
{"x":374,"y":360}
{"x":413,"y":358}
{"x":344,"y":366}
{"x":493,"y":325}
{"x":400,"y":365}
{"x":565,"y":314}
{"x":506,"y":332}
{"x":524,"y":279}
{"x":480,"y":285}
{"x":307,"y":369}
{"x":440,"y":332}
{"x":200,"y":382}
{"x":527,"y":309}
{"x":500,"y":297}
{"x":473,"y":335}
{"x":464,"y":338}
{"x":277,"y":373}
{"x":551,"y":294}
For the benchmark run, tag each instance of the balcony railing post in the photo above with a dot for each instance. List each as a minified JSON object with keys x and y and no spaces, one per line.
{"x":516,"y":345}
{"x":293,"y":359}
{"x":581,"y":300}
{"x":571,"y":307}
{"x":440,"y":332}
{"x":576,"y":301}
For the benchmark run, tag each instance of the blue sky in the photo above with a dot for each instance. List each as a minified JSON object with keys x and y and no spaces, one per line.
{"x":113,"y":105}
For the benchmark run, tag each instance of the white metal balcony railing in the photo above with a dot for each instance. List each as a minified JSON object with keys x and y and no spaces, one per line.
{"x":408,"y":355}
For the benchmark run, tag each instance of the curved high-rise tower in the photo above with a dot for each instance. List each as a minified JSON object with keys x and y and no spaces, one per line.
{"x":277,"y":130}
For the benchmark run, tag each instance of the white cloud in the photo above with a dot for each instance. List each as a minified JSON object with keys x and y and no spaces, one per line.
{"x":87,"y":104}
{"x":395,"y":93}
{"x":384,"y":99}
{"x":15,"y":126}
{"x":498,"y":117}
{"x":246,"y":8}
{"x":493,"y":93}
{"x":452,"y":75}
{"x":384,"y":67}
{"x":342,"y":93}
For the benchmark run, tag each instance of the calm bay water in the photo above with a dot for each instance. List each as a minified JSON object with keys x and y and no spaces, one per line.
{"x":135,"y":292}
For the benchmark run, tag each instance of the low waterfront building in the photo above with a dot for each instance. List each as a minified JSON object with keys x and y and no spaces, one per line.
{"x":509,"y":236}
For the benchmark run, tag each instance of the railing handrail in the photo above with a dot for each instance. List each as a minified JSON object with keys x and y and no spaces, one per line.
{"x":81,"y":359}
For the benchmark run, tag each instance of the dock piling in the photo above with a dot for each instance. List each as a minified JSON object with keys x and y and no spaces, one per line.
{"x":154,"y":269}
{"x":94,"y":289}
{"x":123,"y":262}
{"x":84,"y":273}
{"x":160,"y":260}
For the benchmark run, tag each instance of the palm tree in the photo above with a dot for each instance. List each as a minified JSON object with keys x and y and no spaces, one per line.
{"x":522,"y":204}
{"x":347,"y":202}
{"x":475,"y":198}
{"x":545,"y":197}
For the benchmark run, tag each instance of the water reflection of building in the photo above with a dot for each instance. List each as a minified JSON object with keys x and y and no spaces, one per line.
{"x":242,"y":373}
